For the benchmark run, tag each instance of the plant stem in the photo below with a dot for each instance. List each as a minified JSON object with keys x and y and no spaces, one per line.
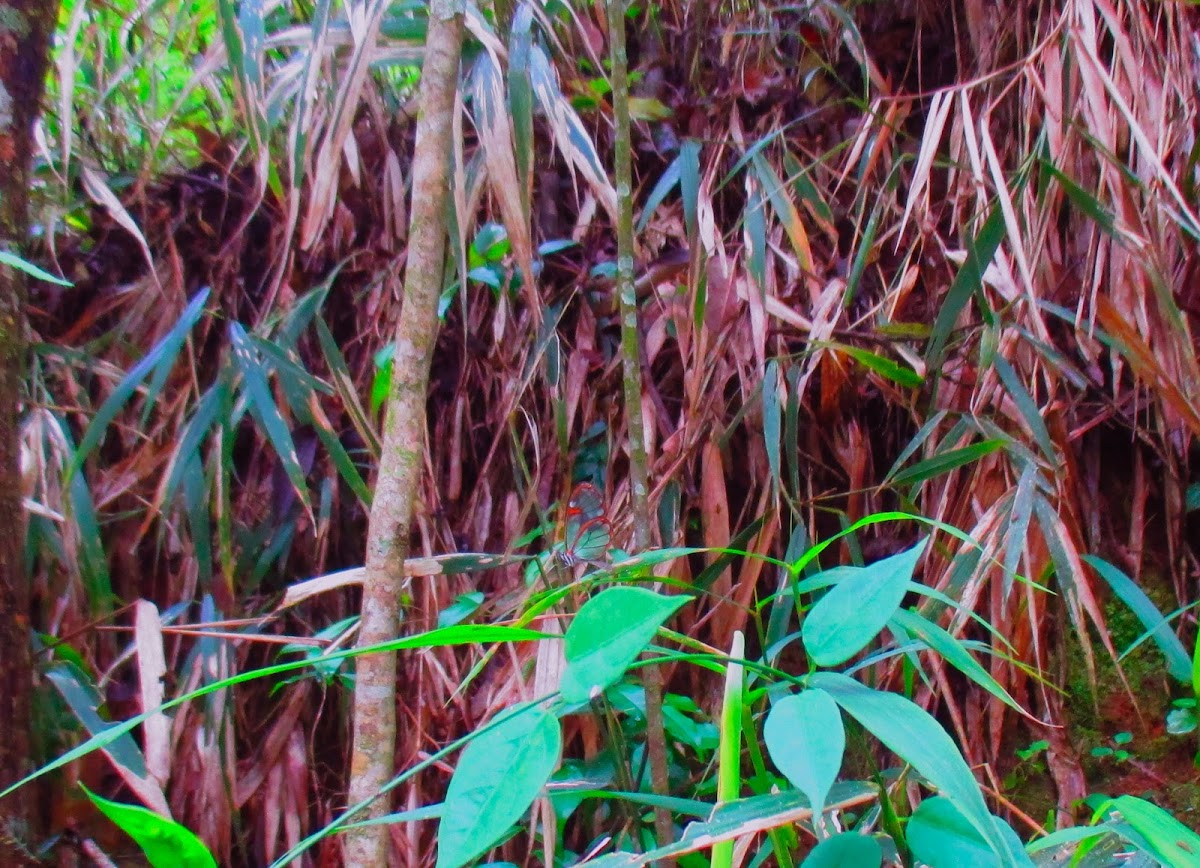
{"x":373,"y":757}
{"x":656,"y":741}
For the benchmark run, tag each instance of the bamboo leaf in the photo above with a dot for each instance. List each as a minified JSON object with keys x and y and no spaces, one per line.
{"x":29,"y":268}
{"x":947,"y":461}
{"x":166,"y":843}
{"x":263,"y":408}
{"x":1179,"y":662}
{"x":163,"y":353}
{"x":608,"y":634}
{"x":967,"y":282}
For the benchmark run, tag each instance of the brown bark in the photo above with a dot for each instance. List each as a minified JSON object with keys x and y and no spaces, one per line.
{"x":400,"y":470}
{"x":25,"y":29}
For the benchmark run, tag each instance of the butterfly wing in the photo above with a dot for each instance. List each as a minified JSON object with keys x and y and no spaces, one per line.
{"x":588,"y":531}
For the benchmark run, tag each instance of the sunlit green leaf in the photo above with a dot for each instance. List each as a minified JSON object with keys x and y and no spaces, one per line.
{"x":913,"y":735}
{"x":165,"y":843}
{"x":941,"y":837}
{"x":608,"y":634}
{"x":1169,"y":840}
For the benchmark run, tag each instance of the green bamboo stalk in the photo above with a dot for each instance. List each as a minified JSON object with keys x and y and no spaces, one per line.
{"x":373,"y":759}
{"x":656,"y":739}
{"x":729,"y":763}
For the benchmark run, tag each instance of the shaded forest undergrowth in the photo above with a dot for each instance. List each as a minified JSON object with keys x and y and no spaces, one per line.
{"x":888,"y":262}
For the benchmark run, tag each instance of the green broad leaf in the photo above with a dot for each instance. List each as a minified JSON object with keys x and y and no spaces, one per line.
{"x":29,"y":268}
{"x":913,"y":735}
{"x":947,"y":461}
{"x":806,"y":740}
{"x":608,"y":634}
{"x":1179,"y":662}
{"x":846,"y":619}
{"x":498,"y":776}
{"x":165,"y":843}
{"x":954,"y":652}
{"x":848,"y":848}
{"x":941,"y":837}
{"x":1170,"y":841}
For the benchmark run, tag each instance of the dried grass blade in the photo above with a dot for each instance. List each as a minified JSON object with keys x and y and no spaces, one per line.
{"x":152,"y":668}
{"x":918,"y":187}
{"x":98,"y":191}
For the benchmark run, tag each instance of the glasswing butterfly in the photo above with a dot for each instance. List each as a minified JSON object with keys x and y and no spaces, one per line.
{"x":589,"y":533}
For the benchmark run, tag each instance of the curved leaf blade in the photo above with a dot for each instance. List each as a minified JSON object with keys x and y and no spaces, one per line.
{"x":913,"y":735}
{"x":848,"y":848}
{"x":162,"y":353}
{"x":608,"y":634}
{"x":806,"y":741}
{"x":941,"y":837}
{"x":166,"y":843}
{"x":845,"y":620}
{"x":498,"y":776}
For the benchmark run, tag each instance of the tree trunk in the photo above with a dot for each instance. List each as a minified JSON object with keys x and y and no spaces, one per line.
{"x":639,"y":490}
{"x":25,"y":29}
{"x":373,"y":758}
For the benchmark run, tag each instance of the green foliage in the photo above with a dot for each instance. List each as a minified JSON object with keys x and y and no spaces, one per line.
{"x":29,"y":268}
{"x":506,"y":764}
{"x":499,"y":775}
{"x":607,"y":635}
{"x":165,"y":843}
{"x":860,"y":604}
